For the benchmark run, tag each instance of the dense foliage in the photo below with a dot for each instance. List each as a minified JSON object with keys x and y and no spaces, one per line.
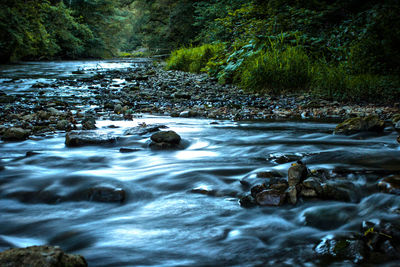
{"x":338,"y":49}
{"x":36,"y":29}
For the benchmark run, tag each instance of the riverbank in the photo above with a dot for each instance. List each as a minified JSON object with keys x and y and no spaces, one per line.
{"x":149,"y":89}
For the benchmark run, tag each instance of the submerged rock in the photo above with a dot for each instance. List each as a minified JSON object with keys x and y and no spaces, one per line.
{"x":360,"y":124}
{"x":106,"y":194}
{"x":15,"y":134}
{"x":165,"y":140}
{"x":89,"y":123}
{"x":390,"y":184}
{"x":85,"y":138}
{"x":40,"y":256}
{"x":342,"y":249}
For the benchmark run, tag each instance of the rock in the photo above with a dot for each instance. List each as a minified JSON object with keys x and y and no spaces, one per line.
{"x":270,"y":197}
{"x":292,"y":194}
{"x":144,"y":129}
{"x":398,"y":139}
{"x":359,"y":124}
{"x":279,"y":184}
{"x":297,"y":173}
{"x":268,"y":174}
{"x":308,"y":192}
{"x":7,"y":99}
{"x":247,"y":201}
{"x":15,"y":134}
{"x":390,"y":184}
{"x":188,"y":114}
{"x":396,"y":119}
{"x":40,"y":256}
{"x":84,"y":138}
{"x":182,"y":95}
{"x":89,"y":123}
{"x":330,"y":191}
{"x":106,"y":194}
{"x":40,"y":85}
{"x":342,"y":249}
{"x":63,"y":125}
{"x":128,"y":150}
{"x":313,"y":183}
{"x":257,"y":189}
{"x":165,"y":140}
{"x":118,"y":108}
{"x":281,"y":159}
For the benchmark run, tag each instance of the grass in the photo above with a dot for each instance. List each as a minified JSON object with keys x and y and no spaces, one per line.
{"x":193,"y":59}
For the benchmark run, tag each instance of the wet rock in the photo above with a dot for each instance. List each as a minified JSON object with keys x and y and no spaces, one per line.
{"x":279,"y":184}
{"x":297,"y":173}
{"x":281,"y":159}
{"x":63,"y":125}
{"x":390,"y":184}
{"x":342,"y":249}
{"x":308,"y":192}
{"x":247,"y":201}
{"x":333,"y":192}
{"x":118,"y":108}
{"x":40,"y":85}
{"x":398,"y":139}
{"x":268,"y":174}
{"x":270,"y":197}
{"x":7,"y":99}
{"x":40,"y":256}
{"x":165,"y":140}
{"x":359,"y":124}
{"x":84,"y":138}
{"x":106,"y":194}
{"x":15,"y":134}
{"x":144,"y":129}
{"x":292,"y":195}
{"x":396,"y":119}
{"x":313,"y":183}
{"x":188,"y":114}
{"x":128,"y":150}
{"x":257,"y":189}
{"x":89,"y":123}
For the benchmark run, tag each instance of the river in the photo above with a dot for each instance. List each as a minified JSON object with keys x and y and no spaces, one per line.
{"x":182,"y":206}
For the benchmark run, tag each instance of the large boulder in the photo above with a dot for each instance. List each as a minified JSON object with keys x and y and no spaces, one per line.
{"x":40,"y":256}
{"x":360,"y":124}
{"x":165,"y":140}
{"x":85,"y":138}
{"x":15,"y":134}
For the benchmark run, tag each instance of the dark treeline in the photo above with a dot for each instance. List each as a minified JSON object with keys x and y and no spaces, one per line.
{"x":42,"y":29}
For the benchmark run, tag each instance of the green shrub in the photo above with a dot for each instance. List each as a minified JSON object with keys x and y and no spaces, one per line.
{"x":336,"y":83}
{"x":276,"y":71}
{"x":194,"y":59}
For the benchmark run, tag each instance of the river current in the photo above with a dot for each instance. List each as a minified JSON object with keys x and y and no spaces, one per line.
{"x":182,"y":206}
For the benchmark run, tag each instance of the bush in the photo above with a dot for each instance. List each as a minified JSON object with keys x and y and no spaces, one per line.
{"x":276,"y":71}
{"x":194,"y":59}
{"x":335,"y":83}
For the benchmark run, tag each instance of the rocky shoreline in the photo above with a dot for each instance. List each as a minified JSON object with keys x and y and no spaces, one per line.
{"x":123,"y":94}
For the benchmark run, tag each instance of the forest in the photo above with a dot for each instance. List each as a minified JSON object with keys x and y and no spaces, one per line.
{"x":338,"y":49}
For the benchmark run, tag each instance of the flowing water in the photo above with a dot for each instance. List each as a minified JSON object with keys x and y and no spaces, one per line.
{"x":164,"y":221}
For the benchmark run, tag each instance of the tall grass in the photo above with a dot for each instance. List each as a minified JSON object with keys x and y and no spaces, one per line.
{"x":276,"y":70}
{"x":193,"y":59}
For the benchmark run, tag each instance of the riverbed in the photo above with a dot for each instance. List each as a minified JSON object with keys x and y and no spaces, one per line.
{"x":181,"y":207}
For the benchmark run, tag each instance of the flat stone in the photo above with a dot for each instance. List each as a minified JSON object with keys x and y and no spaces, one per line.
{"x":86,"y":138}
{"x":390,"y":184}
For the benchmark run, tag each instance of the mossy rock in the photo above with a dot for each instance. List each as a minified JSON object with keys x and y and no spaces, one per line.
{"x":40,"y":256}
{"x":360,"y":124}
